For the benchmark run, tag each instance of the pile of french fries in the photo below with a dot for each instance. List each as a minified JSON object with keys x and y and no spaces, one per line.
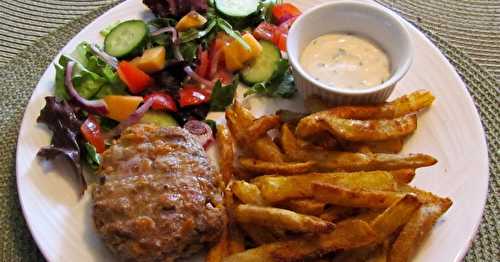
{"x":329,"y":186}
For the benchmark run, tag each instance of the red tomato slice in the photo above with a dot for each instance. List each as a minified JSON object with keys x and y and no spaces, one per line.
{"x":224,"y":76}
{"x":203,"y":66}
{"x":216,"y":56}
{"x":135,"y":79}
{"x":264,"y":31}
{"x":284,"y":12}
{"x":91,"y":130}
{"x":191,"y":95}
{"x":162,"y":101}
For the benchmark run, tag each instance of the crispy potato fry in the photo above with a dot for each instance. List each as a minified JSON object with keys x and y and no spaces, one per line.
{"x":347,"y":235}
{"x":348,"y":161}
{"x":287,"y":168}
{"x":424,"y":196}
{"x":238,"y":120}
{"x":395,"y":216}
{"x":247,"y":193}
{"x":281,"y":219}
{"x":404,"y":176}
{"x":276,"y":189}
{"x":258,"y":234}
{"x":265,"y":149}
{"x":337,"y":213}
{"x":367,"y":215}
{"x":392,"y":146}
{"x":354,"y":197}
{"x":416,"y":230}
{"x":260,"y":126}
{"x":371,"y":253}
{"x":370,"y":130}
{"x":404,"y":105}
{"x":225,"y":145}
{"x":305,"y":206}
{"x":219,"y":250}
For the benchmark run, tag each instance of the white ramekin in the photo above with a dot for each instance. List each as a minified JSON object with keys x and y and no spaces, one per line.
{"x":370,"y":20}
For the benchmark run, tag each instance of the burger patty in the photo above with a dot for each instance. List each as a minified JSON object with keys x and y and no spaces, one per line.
{"x":158,"y":198}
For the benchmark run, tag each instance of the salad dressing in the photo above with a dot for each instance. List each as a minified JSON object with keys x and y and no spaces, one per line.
{"x":345,"y":61}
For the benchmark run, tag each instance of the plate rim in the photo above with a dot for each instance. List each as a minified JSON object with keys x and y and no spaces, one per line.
{"x":459,"y":256}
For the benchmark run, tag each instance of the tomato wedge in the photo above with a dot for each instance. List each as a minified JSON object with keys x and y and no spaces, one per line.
{"x":264,"y":31}
{"x":162,"y":101}
{"x":283,"y":12}
{"x":135,"y":79}
{"x":224,"y":76}
{"x":203,"y":66}
{"x":216,"y":56}
{"x":91,"y":130}
{"x":191,"y":95}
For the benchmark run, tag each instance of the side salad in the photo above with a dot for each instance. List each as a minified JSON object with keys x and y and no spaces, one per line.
{"x":171,"y":70}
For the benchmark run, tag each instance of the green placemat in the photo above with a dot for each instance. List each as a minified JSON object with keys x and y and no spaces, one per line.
{"x":22,"y":72}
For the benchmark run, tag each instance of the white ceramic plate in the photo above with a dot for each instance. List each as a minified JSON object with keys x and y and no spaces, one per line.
{"x":451,"y":131}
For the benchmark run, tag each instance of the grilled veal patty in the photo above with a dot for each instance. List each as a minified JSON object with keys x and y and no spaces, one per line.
{"x":158,"y":199}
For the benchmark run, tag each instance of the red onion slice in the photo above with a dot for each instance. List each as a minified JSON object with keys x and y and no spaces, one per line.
{"x":93,"y":106}
{"x":189,"y":71}
{"x":110,"y":60}
{"x":132,"y":119}
{"x":201,"y":131}
{"x":167,"y":29}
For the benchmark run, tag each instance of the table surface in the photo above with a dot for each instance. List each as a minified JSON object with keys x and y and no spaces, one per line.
{"x":466,"y":31}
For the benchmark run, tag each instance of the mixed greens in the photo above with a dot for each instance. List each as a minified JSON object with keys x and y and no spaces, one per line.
{"x":172,"y":70}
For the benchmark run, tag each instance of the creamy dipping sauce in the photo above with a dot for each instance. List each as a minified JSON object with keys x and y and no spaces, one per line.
{"x":345,"y":61}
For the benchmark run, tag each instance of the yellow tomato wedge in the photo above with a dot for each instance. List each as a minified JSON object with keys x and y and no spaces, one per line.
{"x":233,"y":62}
{"x":236,"y":54}
{"x":152,"y":60}
{"x":192,"y":20}
{"x":121,"y":107}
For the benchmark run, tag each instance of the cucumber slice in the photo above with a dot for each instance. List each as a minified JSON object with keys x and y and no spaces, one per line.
{"x":237,"y":8}
{"x":159,"y":118}
{"x":263,"y":66}
{"x":126,"y":38}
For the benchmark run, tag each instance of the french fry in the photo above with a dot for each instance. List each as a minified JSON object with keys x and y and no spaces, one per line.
{"x":220,"y":250}
{"x":239,"y":120}
{"x":247,"y":193}
{"x":348,"y":161}
{"x":281,"y":219}
{"x":347,"y":235}
{"x":370,"y":130}
{"x":367,"y":215}
{"x":287,"y":168}
{"x":337,"y":213}
{"x":258,"y":234}
{"x":404,"y":105}
{"x":371,"y":253}
{"x":392,"y":146}
{"x":276,"y":189}
{"x":305,"y":206}
{"x":260,"y":126}
{"x":404,"y":176}
{"x":265,"y":149}
{"x":341,"y":196}
{"x":416,"y":230}
{"x":225,"y":145}
{"x":395,"y":216}
{"x":424,"y":196}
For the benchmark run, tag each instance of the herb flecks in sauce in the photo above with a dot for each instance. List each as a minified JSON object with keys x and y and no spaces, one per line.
{"x":346,"y":61}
